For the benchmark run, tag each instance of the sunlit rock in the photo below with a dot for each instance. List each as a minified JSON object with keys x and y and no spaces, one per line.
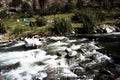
{"x":75,"y":47}
{"x":32,"y":43}
{"x":106,"y":29}
{"x":59,"y":38}
{"x":58,"y":43}
{"x":70,"y":54}
{"x":68,"y":73}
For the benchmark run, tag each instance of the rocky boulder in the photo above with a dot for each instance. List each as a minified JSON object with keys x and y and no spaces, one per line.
{"x":32,"y":43}
{"x":106,"y":29}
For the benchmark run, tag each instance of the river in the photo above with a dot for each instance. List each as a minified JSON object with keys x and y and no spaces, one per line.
{"x":51,"y":61}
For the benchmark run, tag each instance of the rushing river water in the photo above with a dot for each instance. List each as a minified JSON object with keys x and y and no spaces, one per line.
{"x":51,"y":62}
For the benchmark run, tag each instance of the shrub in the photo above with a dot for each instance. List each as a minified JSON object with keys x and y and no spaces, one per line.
{"x":62,"y":26}
{"x":41,"y":21}
{"x":3,"y":14}
{"x":19,"y":30}
{"x":89,"y":17}
{"x":2,"y":28}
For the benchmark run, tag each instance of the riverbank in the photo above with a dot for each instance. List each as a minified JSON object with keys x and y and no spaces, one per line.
{"x":6,"y":38}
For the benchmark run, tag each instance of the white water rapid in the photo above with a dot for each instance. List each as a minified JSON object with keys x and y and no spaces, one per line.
{"x":45,"y":64}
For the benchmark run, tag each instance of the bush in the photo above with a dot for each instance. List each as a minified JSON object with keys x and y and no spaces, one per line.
{"x":2,"y":28}
{"x":89,"y":17}
{"x":19,"y":30}
{"x":41,"y":21}
{"x":3,"y":14}
{"x":62,"y":26}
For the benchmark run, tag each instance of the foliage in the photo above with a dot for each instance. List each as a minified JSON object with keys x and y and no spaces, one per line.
{"x":3,"y":14}
{"x":62,"y":26}
{"x":89,"y":17}
{"x":41,"y":21}
{"x":19,"y":30}
{"x":2,"y":28}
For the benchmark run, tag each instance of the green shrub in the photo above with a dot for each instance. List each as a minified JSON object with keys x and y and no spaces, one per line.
{"x":89,"y":17}
{"x":62,"y":26}
{"x":2,"y":28}
{"x":19,"y":30}
{"x":3,"y":14}
{"x":41,"y":21}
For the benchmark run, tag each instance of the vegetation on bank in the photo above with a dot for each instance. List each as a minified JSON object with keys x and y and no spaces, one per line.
{"x":62,"y":26}
{"x":59,"y":19}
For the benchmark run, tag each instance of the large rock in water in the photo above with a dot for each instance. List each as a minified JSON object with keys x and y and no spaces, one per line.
{"x":32,"y":43}
{"x":106,"y":29}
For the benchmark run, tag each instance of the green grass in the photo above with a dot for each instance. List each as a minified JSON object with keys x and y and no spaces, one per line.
{"x":13,"y":24}
{"x":77,"y":25}
{"x":51,"y":17}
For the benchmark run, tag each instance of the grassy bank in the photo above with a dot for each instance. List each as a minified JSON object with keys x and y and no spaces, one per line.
{"x":19,"y":28}
{"x":16,"y":29}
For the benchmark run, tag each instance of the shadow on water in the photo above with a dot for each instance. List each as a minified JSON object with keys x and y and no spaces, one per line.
{"x":113,"y":48}
{"x":11,"y":46}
